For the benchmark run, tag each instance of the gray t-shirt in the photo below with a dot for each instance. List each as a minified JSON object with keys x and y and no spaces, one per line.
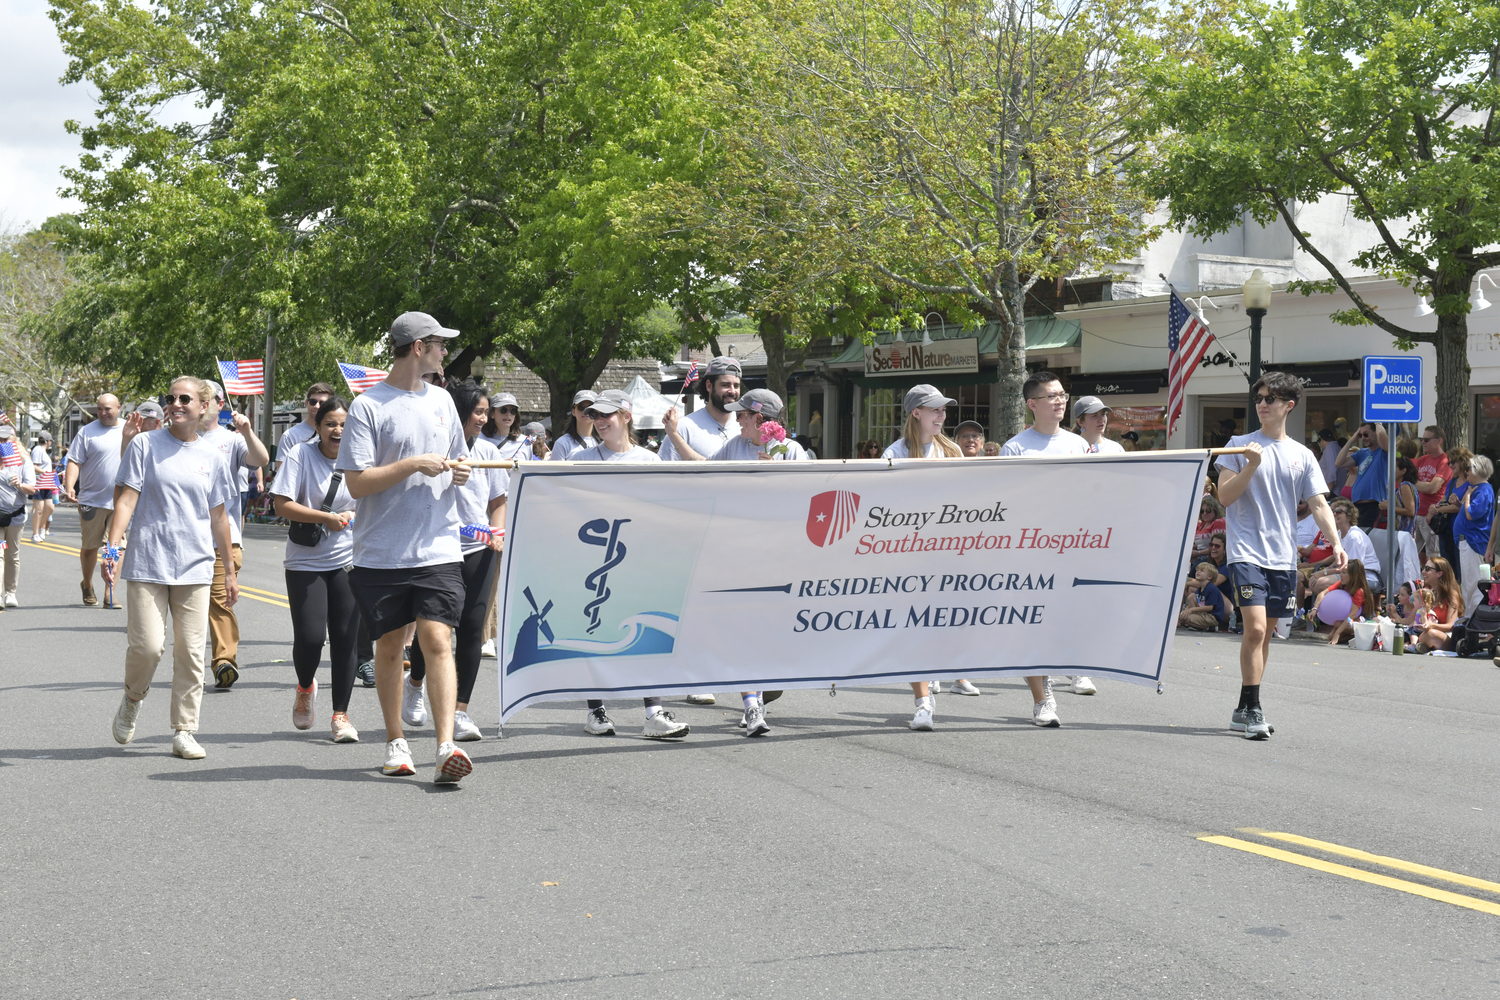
{"x":512,"y":449}
{"x":740,"y":450}
{"x":702,"y":434}
{"x":1261,"y":526}
{"x":898,"y":449}
{"x":1104,"y":447}
{"x":483,"y":486}
{"x":96,"y":452}
{"x":566,"y":448}
{"x":304,"y":478}
{"x":297,"y":434}
{"x":1033,"y":442}
{"x":413,"y":522}
{"x":12,"y":498}
{"x":171,"y":531}
{"x":41,"y":458}
{"x":236,"y":451}
{"x":602,"y":453}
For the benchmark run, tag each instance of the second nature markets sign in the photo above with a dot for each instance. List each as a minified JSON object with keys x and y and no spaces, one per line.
{"x":905,"y":359}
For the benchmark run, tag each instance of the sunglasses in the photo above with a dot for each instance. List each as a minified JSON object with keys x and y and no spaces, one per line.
{"x":508,"y":409}
{"x":595,"y":415}
{"x":1266,"y":400}
{"x":183,"y":400}
{"x":1429,"y":569}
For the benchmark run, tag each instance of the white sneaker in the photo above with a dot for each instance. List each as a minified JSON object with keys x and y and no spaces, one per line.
{"x":35,"y":539}
{"x":184,"y":746}
{"x":302,"y":706}
{"x":755,"y":720}
{"x":597,"y":723}
{"x":11,"y":602}
{"x":662,"y":726}
{"x":936,"y":687}
{"x":398,"y":758}
{"x":452,"y":765}
{"x":1044,"y":713}
{"x":124,"y":727}
{"x":700,"y":699}
{"x":487,"y":651}
{"x":964,"y":687}
{"x":1082,"y":685}
{"x":922,"y":720}
{"x":745,"y":718}
{"x":413,"y":706}
{"x":464,"y":730}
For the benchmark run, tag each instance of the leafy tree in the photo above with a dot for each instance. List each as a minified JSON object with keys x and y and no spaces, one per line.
{"x":1392,"y":105}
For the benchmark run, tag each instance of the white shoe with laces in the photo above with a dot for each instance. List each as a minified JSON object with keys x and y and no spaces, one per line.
{"x":922,"y":720}
{"x":464,"y":730}
{"x":10,"y":600}
{"x":398,"y":758}
{"x":186,"y":747}
{"x":487,"y":651}
{"x":413,"y":705}
{"x":598,"y":723}
{"x":1082,"y":685}
{"x":1044,"y":713}
{"x":125,"y":715}
{"x":662,"y":726}
{"x":965,"y":688}
{"x":936,"y":687}
{"x":755,"y":720}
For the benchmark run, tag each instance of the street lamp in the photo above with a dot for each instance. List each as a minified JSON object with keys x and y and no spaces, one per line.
{"x":1257,"y":293}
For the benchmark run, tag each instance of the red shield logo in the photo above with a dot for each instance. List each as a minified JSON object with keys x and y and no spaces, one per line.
{"x":829,"y":515}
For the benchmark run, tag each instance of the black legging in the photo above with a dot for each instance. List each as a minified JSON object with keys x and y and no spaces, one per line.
{"x":479,"y":574}
{"x":322,"y":603}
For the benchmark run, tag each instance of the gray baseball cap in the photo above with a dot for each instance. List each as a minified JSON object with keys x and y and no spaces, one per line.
{"x":150,"y":408}
{"x":218,"y":389}
{"x":44,"y":436}
{"x":7,"y":431}
{"x":500,"y":399}
{"x":925,"y":395}
{"x":584,"y":396}
{"x":535,"y":429}
{"x":611,"y":400}
{"x":1084,"y":405}
{"x":411,"y":327}
{"x":969,"y":423}
{"x":762,"y":401}
{"x":724,"y":366}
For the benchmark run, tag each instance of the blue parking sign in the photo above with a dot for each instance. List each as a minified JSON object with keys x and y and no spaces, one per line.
{"x":1393,"y":388}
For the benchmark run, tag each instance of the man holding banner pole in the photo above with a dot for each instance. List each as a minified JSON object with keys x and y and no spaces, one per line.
{"x":1260,"y":490}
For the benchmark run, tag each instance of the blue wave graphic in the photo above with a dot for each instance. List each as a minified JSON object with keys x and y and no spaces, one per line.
{"x":645,"y":634}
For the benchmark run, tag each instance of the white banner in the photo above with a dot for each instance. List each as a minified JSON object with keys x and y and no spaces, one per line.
{"x":633,"y":580}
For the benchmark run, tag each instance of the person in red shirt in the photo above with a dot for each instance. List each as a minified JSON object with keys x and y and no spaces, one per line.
{"x":1433,"y":473}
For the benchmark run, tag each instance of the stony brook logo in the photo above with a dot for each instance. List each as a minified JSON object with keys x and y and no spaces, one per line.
{"x":829,"y":515}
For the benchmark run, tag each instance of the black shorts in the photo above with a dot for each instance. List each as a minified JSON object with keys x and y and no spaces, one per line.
{"x":1273,"y":589}
{"x":391,"y":599}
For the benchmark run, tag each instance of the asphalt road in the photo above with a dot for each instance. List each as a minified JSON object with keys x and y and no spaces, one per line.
{"x":844,"y":856}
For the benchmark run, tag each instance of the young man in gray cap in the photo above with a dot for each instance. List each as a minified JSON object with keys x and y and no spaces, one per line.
{"x":89,"y":481}
{"x":1047,"y":401}
{"x":580,"y":432}
{"x":403,"y":449}
{"x":711,"y":426}
{"x":1091,"y":417}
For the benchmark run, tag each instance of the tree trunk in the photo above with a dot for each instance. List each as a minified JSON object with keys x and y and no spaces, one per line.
{"x":773,"y":341}
{"x":1009,"y":418}
{"x":1452,"y":383}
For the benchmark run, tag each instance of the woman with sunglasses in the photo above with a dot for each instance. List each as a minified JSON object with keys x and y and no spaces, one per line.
{"x":481,"y":501}
{"x":580,"y":432}
{"x":1439,"y":602}
{"x":614,"y":426}
{"x":175,"y":494}
{"x":317,"y":576}
{"x":503,"y":429}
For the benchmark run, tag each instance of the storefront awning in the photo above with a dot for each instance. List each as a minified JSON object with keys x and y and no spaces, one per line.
{"x":1043,"y":334}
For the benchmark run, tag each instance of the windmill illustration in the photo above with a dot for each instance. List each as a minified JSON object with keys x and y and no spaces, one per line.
{"x":526,"y":639}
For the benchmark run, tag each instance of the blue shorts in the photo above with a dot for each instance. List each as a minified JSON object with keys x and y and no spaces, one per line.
{"x":1273,"y":589}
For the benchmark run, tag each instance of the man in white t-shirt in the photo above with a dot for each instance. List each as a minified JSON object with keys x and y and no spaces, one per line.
{"x":1047,"y":401}
{"x":1091,"y":417}
{"x":305,"y":429}
{"x":93,"y":463}
{"x":403,"y":451}
{"x":713,"y":425}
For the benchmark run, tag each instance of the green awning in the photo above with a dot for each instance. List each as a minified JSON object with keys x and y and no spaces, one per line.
{"x":1043,"y":333}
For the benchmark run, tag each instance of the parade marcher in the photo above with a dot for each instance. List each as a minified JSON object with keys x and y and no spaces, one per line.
{"x":176,"y":494}
{"x":537,"y":435}
{"x":243,"y":451}
{"x":756,"y":408}
{"x":481,"y":501}
{"x":1091,"y":417}
{"x":402,"y":454}
{"x":17,"y":482}
{"x":580,"y":432}
{"x":1260,"y":490}
{"x":1047,"y":401}
{"x":89,"y":481}
{"x":42,"y":500}
{"x":503,"y":429}
{"x":310,"y":493}
{"x":305,"y":429}
{"x":970,"y":438}
{"x":151,"y":415}
{"x":613,"y":426}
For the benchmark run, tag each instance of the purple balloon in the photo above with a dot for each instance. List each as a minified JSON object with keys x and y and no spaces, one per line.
{"x":1335,"y":606}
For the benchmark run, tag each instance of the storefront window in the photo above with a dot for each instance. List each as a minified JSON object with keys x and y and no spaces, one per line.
{"x":1339,"y":414}
{"x":1487,"y":429}
{"x":1220,"y":423}
{"x":1148,"y":422}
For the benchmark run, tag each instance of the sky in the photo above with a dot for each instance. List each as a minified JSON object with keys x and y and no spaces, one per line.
{"x":34,"y":147}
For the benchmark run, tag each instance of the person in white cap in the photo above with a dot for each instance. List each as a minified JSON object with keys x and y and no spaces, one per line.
{"x":580,"y":432}
{"x":402,"y":455}
{"x":89,"y":481}
{"x":503,"y":428}
{"x":16,"y":484}
{"x":41,"y":500}
{"x":1047,"y":401}
{"x":1091,"y":417}
{"x":613,"y":424}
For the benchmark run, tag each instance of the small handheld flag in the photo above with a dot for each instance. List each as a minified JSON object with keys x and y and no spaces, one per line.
{"x":359,"y":377}
{"x":243,"y":378}
{"x":692,"y":376}
{"x":481,"y":532}
{"x":46,"y":480}
{"x":10,"y":456}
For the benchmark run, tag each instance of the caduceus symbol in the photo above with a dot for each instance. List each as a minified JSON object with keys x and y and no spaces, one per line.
{"x":606,"y":534}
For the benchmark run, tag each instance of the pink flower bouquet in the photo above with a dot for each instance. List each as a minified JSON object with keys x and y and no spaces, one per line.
{"x":773,"y":438}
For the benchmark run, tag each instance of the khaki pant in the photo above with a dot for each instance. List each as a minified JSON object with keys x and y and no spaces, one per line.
{"x":95,"y":530}
{"x":12,"y":536}
{"x":222,"y":623}
{"x":146,"y":608}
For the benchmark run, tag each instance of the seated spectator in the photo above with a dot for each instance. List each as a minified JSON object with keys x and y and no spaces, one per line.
{"x":1307,"y":531}
{"x":1210,"y":520}
{"x":1356,"y":544}
{"x":1203,"y":606}
{"x":1218,"y":554}
{"x":1439,"y":605}
{"x":1352,"y":581}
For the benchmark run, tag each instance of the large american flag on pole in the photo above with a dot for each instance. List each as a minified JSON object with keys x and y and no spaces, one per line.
{"x":243,"y":378}
{"x":1187,"y":340}
{"x":359,"y":377}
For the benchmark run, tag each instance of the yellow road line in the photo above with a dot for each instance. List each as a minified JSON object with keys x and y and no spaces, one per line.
{"x":263,"y":593}
{"x":1378,"y":859}
{"x":51,"y":547}
{"x":265,"y":600}
{"x":264,"y":596}
{"x":1401,"y":885}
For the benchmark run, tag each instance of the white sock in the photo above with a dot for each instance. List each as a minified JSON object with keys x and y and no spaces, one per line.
{"x":750,"y":701}
{"x":925,"y":703}
{"x":653,"y":711}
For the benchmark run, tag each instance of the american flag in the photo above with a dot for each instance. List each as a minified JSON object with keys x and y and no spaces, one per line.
{"x":359,"y":377}
{"x":1187,"y":340}
{"x":692,"y":375}
{"x":481,"y":532}
{"x":243,"y":378}
{"x":46,"y":480}
{"x":10,"y":456}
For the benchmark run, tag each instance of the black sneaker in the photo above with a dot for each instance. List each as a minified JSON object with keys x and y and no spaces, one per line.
{"x":366,"y":673}
{"x":225,"y":674}
{"x":1240,"y":718}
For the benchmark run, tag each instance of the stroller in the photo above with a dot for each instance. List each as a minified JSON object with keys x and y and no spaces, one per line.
{"x":1478,"y":632}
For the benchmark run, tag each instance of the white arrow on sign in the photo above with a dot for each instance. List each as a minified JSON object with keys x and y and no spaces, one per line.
{"x":1406,"y":406}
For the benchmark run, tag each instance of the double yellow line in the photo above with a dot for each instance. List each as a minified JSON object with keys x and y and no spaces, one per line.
{"x":264,"y":596}
{"x":1359,"y":874}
